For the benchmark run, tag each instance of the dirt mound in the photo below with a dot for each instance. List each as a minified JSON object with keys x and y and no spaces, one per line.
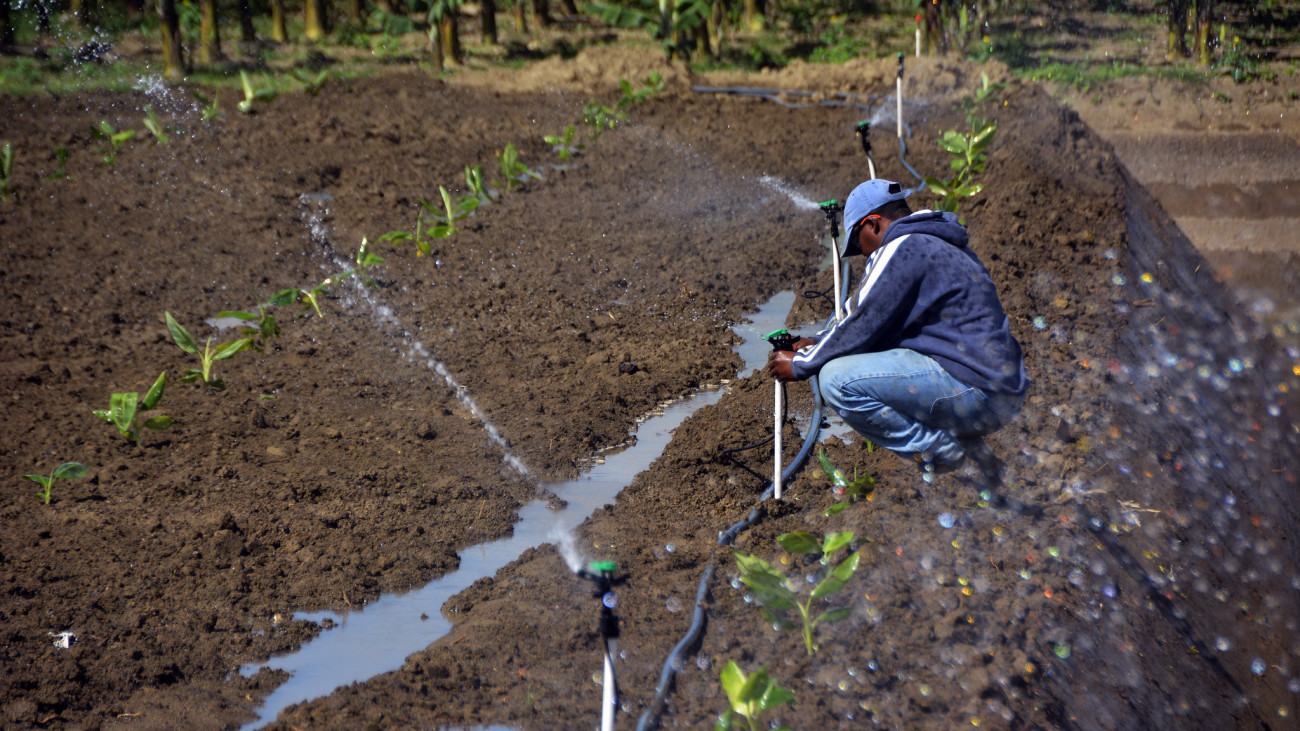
{"x":1129,"y":570}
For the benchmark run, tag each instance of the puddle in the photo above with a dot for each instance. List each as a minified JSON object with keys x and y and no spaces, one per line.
{"x":379,"y":638}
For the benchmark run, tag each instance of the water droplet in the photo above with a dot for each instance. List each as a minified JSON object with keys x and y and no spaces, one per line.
{"x":1110,"y":254}
{"x":597,"y":678}
{"x":947,"y":520}
{"x":1109,"y":590}
{"x":702,"y":662}
{"x":1293,"y":685}
{"x":610,"y":599}
{"x":1054,"y":552}
{"x":1223,"y":644}
{"x":736,"y":583}
{"x":1119,"y":280}
{"x":1257,"y":666}
{"x":674,"y":604}
{"x":1235,"y":365}
{"x":1147,"y":278}
{"x":925,"y":690}
{"x":1025,"y":574}
{"x":1061,"y":650}
{"x":749,"y":598}
{"x":670,"y":547}
{"x":843,"y":685}
{"x":1040,"y":322}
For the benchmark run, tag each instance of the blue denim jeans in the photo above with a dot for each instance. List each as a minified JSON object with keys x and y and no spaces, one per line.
{"x":907,"y":403}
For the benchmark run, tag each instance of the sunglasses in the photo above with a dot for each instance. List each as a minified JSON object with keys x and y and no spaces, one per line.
{"x":857,"y":227}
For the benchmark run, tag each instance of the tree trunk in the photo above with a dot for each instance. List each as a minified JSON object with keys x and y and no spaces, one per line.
{"x":356,"y":11}
{"x":934,"y":44}
{"x":489,"y":20}
{"x":279,"y":33}
{"x":542,"y":13}
{"x":1177,"y":45}
{"x":313,"y":14}
{"x":1204,"y":16}
{"x":752,"y":15}
{"x":209,"y":32}
{"x":521,"y":18}
{"x":449,"y":29}
{"x":170,"y":26}
{"x":714,"y":25}
{"x":435,"y":46}
{"x":571,"y":8}
{"x":247,"y":33}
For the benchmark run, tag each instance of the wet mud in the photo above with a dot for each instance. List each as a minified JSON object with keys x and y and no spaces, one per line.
{"x":1133,"y":567}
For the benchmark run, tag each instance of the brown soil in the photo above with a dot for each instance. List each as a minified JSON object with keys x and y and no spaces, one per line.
{"x":1146,"y":512}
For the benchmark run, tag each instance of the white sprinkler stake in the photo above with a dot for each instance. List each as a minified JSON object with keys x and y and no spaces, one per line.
{"x":776,"y":434}
{"x":608,"y":701}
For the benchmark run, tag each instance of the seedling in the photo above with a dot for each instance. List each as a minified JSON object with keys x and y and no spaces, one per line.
{"x":563,"y":144}
{"x":778,"y":593}
{"x":65,"y":471}
{"x":512,"y":169}
{"x":6,"y":171}
{"x":969,"y":159}
{"x":858,"y":487}
{"x":208,"y":356}
{"x":60,"y":173}
{"x":600,"y":118}
{"x":478,"y":185}
{"x":312,"y":84}
{"x":252,"y":95}
{"x":654,"y":84}
{"x":114,"y":139}
{"x":266,"y":327}
{"x":155,"y":126}
{"x":126,"y":409}
{"x":447,"y":218}
{"x":366,"y":259}
{"x":750,"y":696}
{"x":211,"y":109}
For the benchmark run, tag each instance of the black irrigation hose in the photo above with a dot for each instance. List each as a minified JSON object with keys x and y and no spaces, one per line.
{"x":651,"y":714}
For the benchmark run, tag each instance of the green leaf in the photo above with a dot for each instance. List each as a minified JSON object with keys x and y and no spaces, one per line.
{"x":158,"y":423}
{"x":970,"y":190}
{"x":122,"y":407}
{"x":799,"y":542}
{"x":101,"y":413}
{"x":838,"y":578}
{"x":833,"y":615}
{"x":42,"y":479}
{"x":835,"y":509}
{"x":753,"y":689}
{"x":155,"y":392}
{"x":239,"y":314}
{"x":836,"y":541}
{"x":216,"y":384}
{"x":183,"y":339}
{"x":232,"y":347}
{"x":773,"y":696}
{"x":767,"y":582}
{"x":370,"y":259}
{"x":733,"y":679}
{"x":190,"y":375}
{"x":396,"y":236}
{"x":283,"y":297}
{"x":70,"y":471}
{"x":724,"y":722}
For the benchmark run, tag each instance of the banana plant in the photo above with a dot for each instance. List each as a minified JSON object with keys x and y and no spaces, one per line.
{"x":252,"y":95}
{"x":750,"y":697}
{"x":208,"y":356}
{"x":512,"y":168}
{"x":969,"y":159}
{"x":478,"y":185}
{"x":313,"y":84}
{"x":859,"y":487}
{"x":266,"y":326}
{"x":365,"y":258}
{"x":210,"y":108}
{"x":155,"y":126}
{"x":65,"y":471}
{"x":563,"y":144}
{"x":126,"y":409}
{"x":114,"y":138}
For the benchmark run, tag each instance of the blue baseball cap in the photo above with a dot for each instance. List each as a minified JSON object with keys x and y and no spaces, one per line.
{"x":864,"y":199}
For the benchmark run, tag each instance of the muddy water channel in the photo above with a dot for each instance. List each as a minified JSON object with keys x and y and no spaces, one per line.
{"x":378,"y":638}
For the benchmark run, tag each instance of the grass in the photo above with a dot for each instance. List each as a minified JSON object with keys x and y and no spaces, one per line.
{"x":1083,"y":75}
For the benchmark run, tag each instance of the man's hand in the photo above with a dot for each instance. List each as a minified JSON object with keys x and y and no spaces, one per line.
{"x":802,"y":343}
{"x":778,"y":364}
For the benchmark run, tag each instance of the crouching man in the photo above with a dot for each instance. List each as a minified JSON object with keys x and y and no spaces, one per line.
{"x":923,"y":363}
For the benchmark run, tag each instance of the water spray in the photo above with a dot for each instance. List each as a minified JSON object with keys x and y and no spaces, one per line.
{"x":601,"y":573}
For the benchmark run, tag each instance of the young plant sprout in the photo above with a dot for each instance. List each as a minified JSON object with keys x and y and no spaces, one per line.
{"x":266,"y":327}
{"x":6,"y":171}
{"x":252,"y":95}
{"x":422,"y":246}
{"x":512,"y":169}
{"x":478,"y":185}
{"x":211,"y":109}
{"x":969,"y":159}
{"x":126,"y":409}
{"x":600,"y":118}
{"x":114,"y":139}
{"x":207,"y":356}
{"x":563,"y":144}
{"x":366,"y":259}
{"x":310,"y":298}
{"x":750,"y":696}
{"x":778,"y":593}
{"x":155,"y":126}
{"x":61,"y":172}
{"x":446,"y":219}
{"x":855,"y":489}
{"x":654,"y":84}
{"x":65,"y":471}
{"x":312,"y":84}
